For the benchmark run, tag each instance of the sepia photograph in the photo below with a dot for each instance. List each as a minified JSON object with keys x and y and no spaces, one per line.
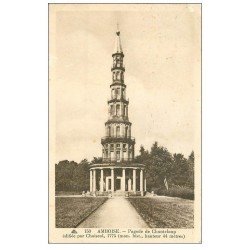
{"x":125,"y":123}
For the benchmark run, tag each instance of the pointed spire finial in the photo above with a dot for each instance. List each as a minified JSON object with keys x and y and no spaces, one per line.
{"x":118,"y":45}
{"x":117,"y":32}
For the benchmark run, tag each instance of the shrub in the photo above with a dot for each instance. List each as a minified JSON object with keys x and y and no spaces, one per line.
{"x":161,"y":191}
{"x":180,"y":191}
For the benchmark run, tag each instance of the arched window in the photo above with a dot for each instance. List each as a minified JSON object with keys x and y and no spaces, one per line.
{"x":113,"y":93}
{"x":118,"y":131}
{"x":118,"y":62}
{"x":124,"y":110}
{"x":118,"y":109}
{"x":118,"y":155}
{"x":111,"y":109}
{"x":117,"y":75}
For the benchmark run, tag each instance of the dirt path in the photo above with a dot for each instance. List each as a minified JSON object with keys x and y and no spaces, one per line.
{"x":115,"y":213}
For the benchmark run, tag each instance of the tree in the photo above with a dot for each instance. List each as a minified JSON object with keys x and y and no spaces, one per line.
{"x":157,"y":163}
{"x":191,"y":156}
{"x":72,"y":177}
{"x":179,"y":170}
{"x":190,"y":180}
{"x":162,"y":167}
{"x":142,"y":150}
{"x":96,"y":160}
{"x":84,"y":166}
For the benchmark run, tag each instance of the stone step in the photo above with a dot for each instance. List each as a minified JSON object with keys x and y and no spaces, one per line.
{"x":119,"y":193}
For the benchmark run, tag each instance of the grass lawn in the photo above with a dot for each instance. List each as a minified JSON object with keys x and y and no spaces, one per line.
{"x":72,"y":210}
{"x":164,"y":212}
{"x":61,"y":193}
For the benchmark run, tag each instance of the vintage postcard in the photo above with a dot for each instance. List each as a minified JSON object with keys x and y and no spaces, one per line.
{"x":125,"y":123}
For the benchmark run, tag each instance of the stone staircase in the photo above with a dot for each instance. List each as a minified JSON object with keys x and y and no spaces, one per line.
{"x":120,"y":193}
{"x":117,"y":193}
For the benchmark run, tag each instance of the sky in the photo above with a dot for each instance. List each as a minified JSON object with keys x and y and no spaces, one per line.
{"x":161,"y":44}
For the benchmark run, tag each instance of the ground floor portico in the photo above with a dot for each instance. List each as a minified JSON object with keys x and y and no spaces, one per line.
{"x":117,"y":180}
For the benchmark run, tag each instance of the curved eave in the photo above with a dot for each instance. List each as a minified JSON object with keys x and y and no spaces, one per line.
{"x":118,"y":100}
{"x":118,"y":53}
{"x":118,"y":83}
{"x":117,"y":165}
{"x":118,"y":121}
{"x":109,"y":139}
{"x":118,"y":68}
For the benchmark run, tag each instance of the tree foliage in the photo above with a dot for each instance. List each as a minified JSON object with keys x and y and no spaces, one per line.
{"x":162,"y":165}
{"x":72,"y":177}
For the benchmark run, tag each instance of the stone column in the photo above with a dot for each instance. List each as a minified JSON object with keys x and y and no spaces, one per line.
{"x":123,"y":180}
{"x":134,"y":180}
{"x":112,"y":180}
{"x":106,"y":184}
{"x":91,"y":181}
{"x":101,"y":182}
{"x":141,"y":180}
{"x":145,"y":184}
{"x":94,"y":180}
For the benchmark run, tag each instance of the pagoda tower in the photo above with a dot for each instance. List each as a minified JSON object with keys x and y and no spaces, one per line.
{"x":118,"y":145}
{"x":117,"y":173}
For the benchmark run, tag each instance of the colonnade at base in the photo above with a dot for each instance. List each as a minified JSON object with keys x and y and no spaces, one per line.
{"x":115,"y":179}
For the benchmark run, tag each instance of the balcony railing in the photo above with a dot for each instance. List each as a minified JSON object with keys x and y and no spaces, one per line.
{"x":118,"y":67}
{"x":118,"y":99}
{"x":125,"y":139}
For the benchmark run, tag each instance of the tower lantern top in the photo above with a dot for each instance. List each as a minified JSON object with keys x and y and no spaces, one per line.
{"x":118,"y":45}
